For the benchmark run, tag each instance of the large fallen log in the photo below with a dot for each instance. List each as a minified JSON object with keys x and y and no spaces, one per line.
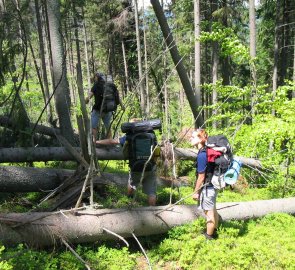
{"x":112,"y":152}
{"x":44,"y":229}
{"x":9,"y":123}
{"x":27,"y":179}
{"x":30,"y":154}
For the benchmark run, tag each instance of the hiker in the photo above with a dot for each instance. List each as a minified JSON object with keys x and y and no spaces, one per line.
{"x":107,"y":98}
{"x":140,"y":148}
{"x":140,"y":144}
{"x":206,"y":195}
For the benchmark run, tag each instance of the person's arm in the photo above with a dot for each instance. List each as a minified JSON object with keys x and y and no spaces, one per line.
{"x":201,"y":171}
{"x":199,"y":183}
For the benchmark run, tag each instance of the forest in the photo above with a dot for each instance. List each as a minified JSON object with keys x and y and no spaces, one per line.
{"x":224,"y":66}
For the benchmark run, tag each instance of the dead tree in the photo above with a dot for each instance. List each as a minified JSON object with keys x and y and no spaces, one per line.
{"x":45,"y":229}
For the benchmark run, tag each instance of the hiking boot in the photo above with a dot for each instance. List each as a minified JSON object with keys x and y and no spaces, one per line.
{"x":209,"y":237}
{"x":212,"y":236}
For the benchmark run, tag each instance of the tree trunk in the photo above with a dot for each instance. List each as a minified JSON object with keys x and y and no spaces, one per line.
{"x":197,"y":49}
{"x":140,"y":76}
{"x":106,"y":153}
{"x":9,"y":123}
{"x":43,"y":62}
{"x":252,"y":28}
{"x":125,"y":65}
{"x":276,"y":56}
{"x":147,"y":91}
{"x":61,"y":87}
{"x":177,"y":60}
{"x":215,"y":62}
{"x":28,"y":179}
{"x":86,"y":50}
{"x":54,"y":153}
{"x":45,"y":229}
{"x":84,"y":126}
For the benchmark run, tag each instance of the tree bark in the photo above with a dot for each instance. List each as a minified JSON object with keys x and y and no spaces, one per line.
{"x":45,"y":229}
{"x":139,"y":61}
{"x":61,"y":86}
{"x":197,"y":22}
{"x":9,"y":123}
{"x":252,"y":28}
{"x":177,"y":60}
{"x":43,"y":62}
{"x":106,"y":153}
{"x":28,"y":179}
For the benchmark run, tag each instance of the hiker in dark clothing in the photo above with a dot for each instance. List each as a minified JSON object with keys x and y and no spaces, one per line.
{"x":206,"y":195}
{"x":142,"y":151}
{"x":99,"y":110}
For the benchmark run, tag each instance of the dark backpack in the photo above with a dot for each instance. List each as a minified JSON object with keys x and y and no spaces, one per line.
{"x":219,"y":159}
{"x":141,"y":141}
{"x":110,"y":98}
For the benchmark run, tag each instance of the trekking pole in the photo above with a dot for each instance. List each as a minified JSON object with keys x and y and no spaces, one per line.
{"x":169,"y":206}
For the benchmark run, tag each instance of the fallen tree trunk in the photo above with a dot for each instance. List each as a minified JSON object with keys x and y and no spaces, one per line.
{"x":44,"y":229}
{"x":8,"y":123}
{"x":31,"y":154}
{"x":27,"y":179}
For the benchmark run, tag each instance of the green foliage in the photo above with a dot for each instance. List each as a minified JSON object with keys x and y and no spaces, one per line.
{"x":230,"y":43}
{"x":241,"y":245}
{"x":4,"y":265}
{"x":112,"y":259}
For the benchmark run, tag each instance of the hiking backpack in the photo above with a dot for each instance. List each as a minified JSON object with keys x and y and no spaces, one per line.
{"x":219,"y":160}
{"x":110,"y":98}
{"x":141,"y":141}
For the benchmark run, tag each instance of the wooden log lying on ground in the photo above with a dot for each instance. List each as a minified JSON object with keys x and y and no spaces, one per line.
{"x":30,"y":154}
{"x":27,"y":179}
{"x":7,"y":122}
{"x":44,"y":229}
{"x":112,"y":152}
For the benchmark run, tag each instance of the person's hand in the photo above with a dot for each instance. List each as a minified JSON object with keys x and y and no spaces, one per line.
{"x":196,"y":196}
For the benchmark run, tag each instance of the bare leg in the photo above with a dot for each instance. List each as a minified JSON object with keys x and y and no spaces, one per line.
{"x":216,"y":217}
{"x":211,"y":222}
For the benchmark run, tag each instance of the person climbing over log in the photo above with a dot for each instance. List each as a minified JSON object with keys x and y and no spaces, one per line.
{"x":141,"y":149}
{"x":107,"y":99}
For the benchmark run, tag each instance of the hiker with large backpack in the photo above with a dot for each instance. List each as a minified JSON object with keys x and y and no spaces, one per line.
{"x":213,"y":159}
{"x":106,"y":100}
{"x":140,"y":148}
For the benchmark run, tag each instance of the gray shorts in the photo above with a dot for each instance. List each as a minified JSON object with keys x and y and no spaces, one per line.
{"x":106,"y":118}
{"x":149,"y":181}
{"x":208,"y":198}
